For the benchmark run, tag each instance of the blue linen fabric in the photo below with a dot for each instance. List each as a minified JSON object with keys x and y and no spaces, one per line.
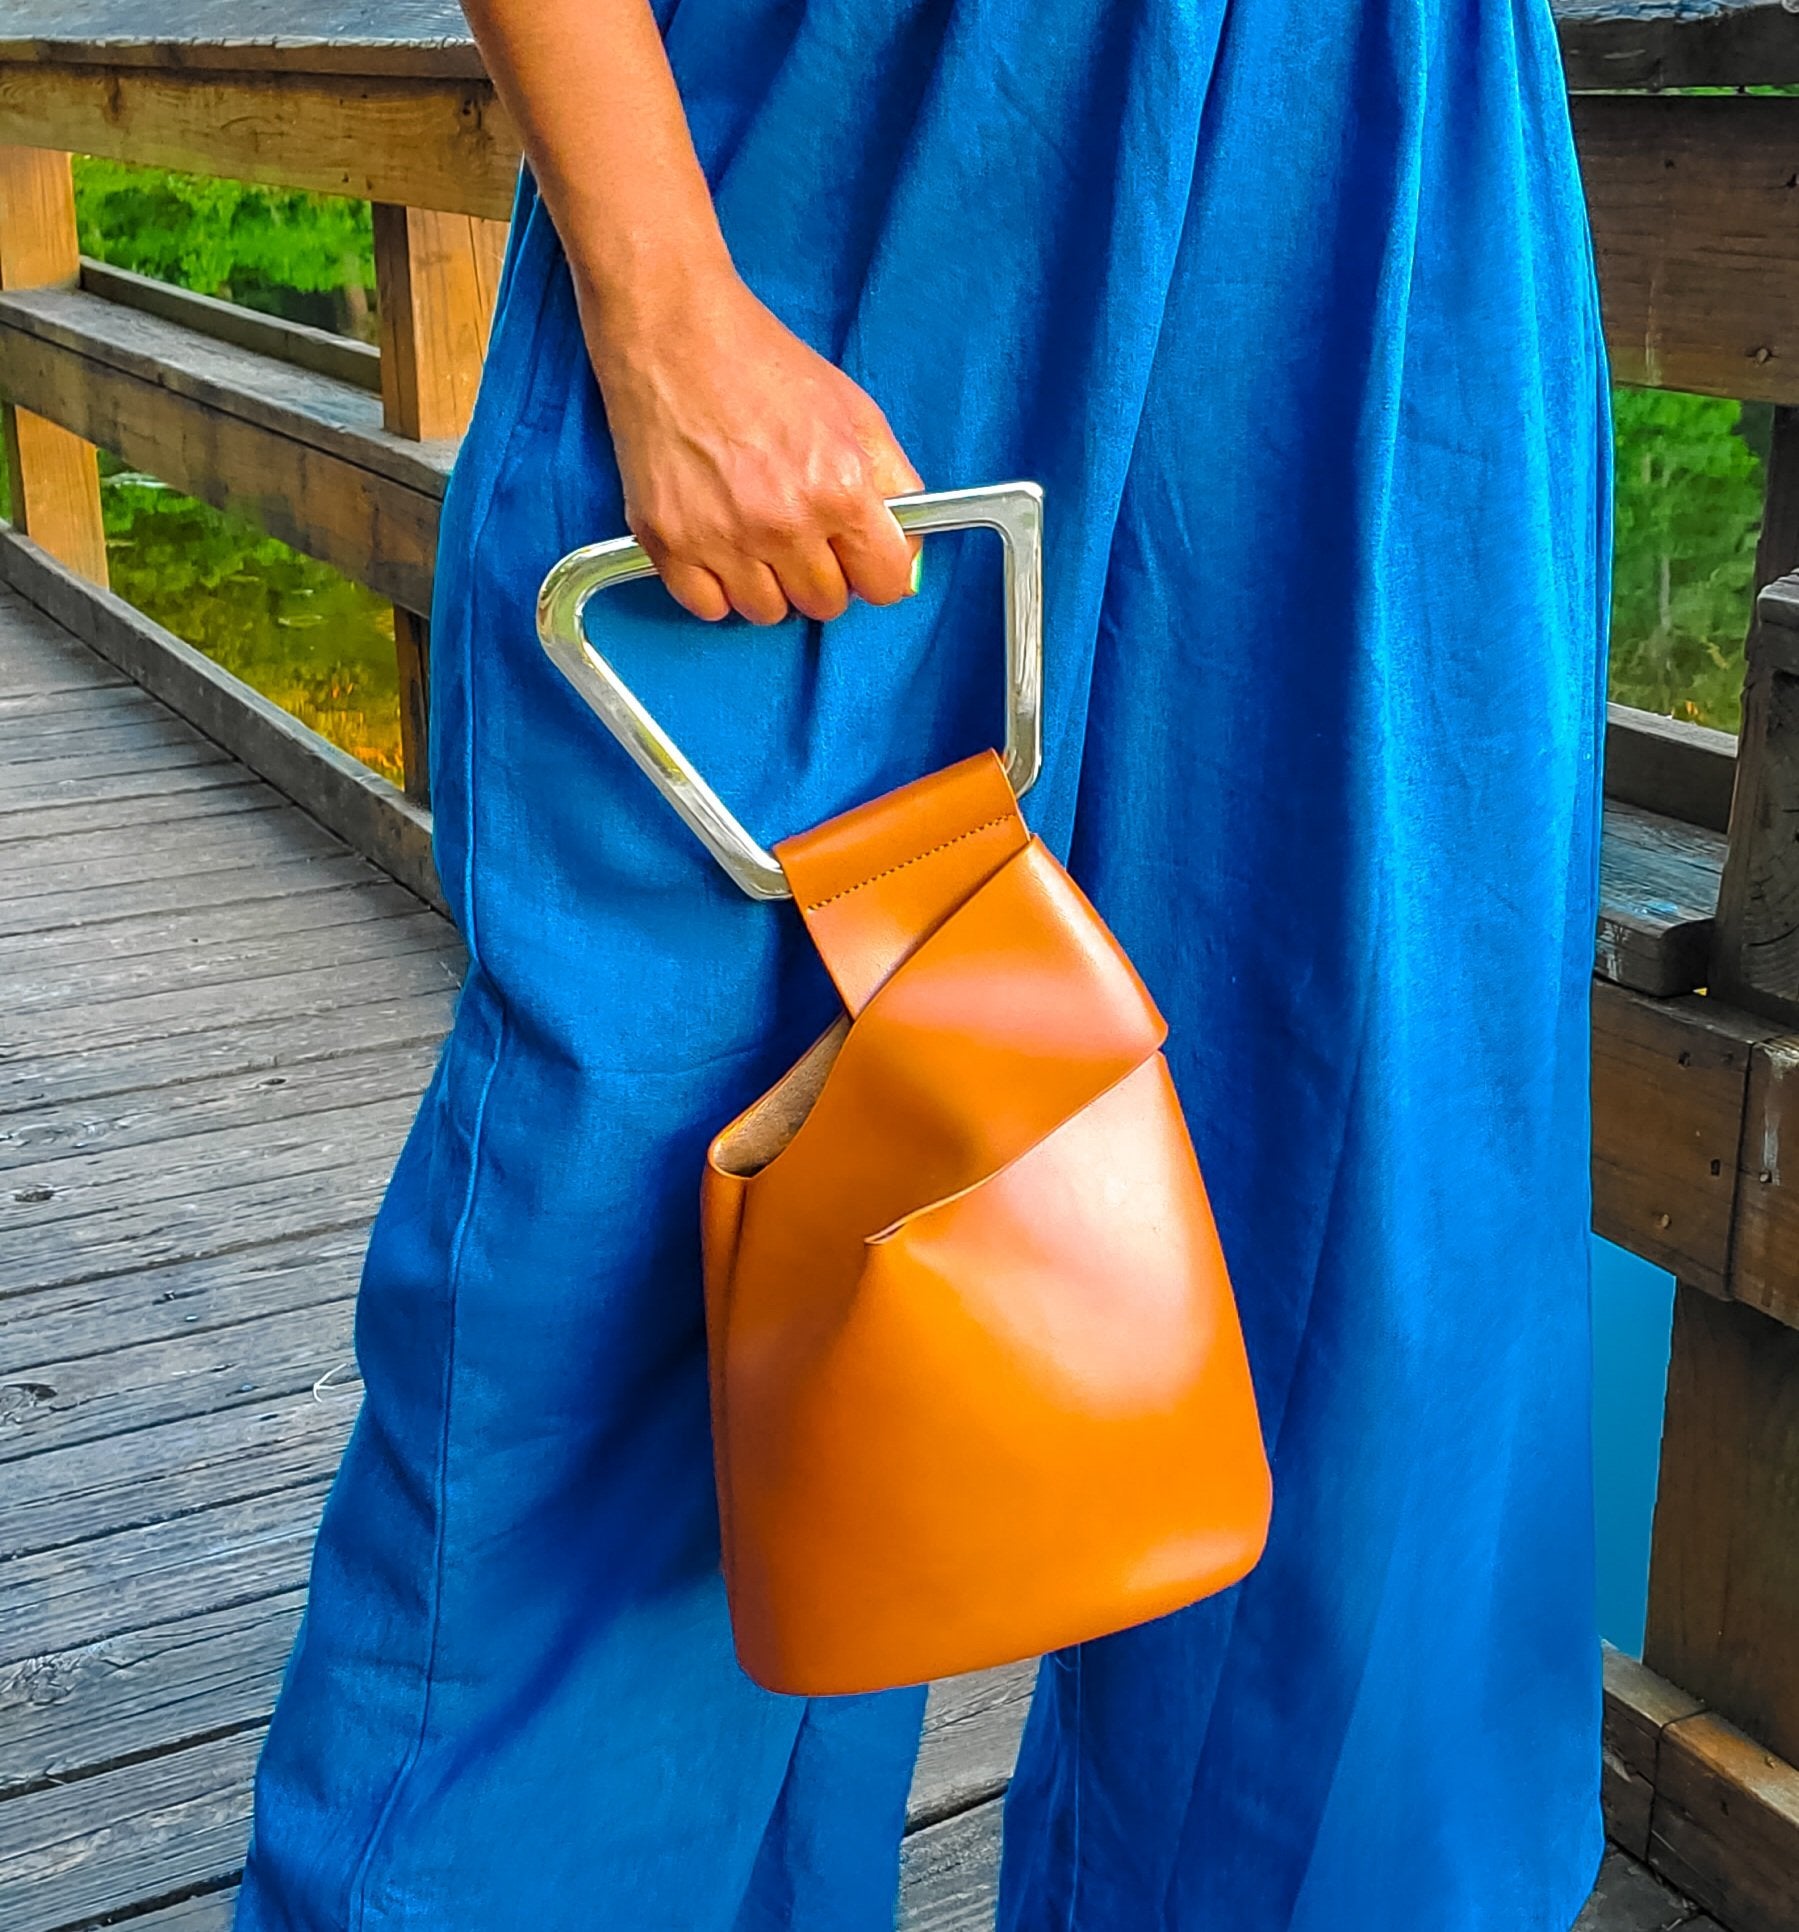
{"x":1289,"y":306}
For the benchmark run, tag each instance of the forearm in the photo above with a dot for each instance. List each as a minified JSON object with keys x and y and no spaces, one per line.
{"x":589,"y":86}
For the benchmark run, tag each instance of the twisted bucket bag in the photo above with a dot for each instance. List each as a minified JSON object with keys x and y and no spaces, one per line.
{"x":978,"y":1384}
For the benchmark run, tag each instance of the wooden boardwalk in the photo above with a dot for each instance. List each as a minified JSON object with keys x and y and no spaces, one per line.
{"x":215,"y":1022}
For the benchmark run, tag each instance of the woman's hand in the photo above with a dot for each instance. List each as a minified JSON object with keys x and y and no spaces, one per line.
{"x":754,"y":470}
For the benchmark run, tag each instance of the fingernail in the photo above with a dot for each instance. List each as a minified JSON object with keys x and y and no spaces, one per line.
{"x":917,"y":573}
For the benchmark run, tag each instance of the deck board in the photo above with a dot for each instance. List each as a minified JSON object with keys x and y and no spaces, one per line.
{"x":215,"y":1023}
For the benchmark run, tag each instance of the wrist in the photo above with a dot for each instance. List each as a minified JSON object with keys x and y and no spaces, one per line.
{"x":637,"y":292}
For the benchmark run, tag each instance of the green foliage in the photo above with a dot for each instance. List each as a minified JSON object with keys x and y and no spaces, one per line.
{"x":225,"y":238}
{"x":317,"y":644}
{"x":1689,"y":500}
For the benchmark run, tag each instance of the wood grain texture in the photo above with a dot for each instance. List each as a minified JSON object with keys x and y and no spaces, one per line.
{"x":1670,"y":1084}
{"x":305,"y":36}
{"x":339,"y":357}
{"x":1693,"y":205}
{"x":1727,"y":1825}
{"x":298,"y":454}
{"x":1675,"y":43}
{"x":1639,"y":1707}
{"x":1683,"y":771}
{"x":1764,"y":1269}
{"x":55,"y":474}
{"x":441,"y":143}
{"x":1724,"y":1568}
{"x":1658,"y":896}
{"x":73,"y":1853}
{"x":436,"y":277}
{"x":334,"y":788}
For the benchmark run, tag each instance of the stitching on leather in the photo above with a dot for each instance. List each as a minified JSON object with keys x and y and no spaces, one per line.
{"x":887,"y":871}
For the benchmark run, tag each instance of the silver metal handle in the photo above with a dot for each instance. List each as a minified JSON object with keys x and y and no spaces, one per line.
{"x":1015,"y":510}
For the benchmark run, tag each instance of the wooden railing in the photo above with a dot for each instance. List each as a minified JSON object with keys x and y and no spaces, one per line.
{"x":343,"y":451}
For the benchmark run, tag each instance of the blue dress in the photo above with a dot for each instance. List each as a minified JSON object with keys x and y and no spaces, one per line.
{"x":1289,"y":306}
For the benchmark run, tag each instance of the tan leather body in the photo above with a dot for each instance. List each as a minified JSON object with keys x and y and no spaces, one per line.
{"x":978,"y":1384}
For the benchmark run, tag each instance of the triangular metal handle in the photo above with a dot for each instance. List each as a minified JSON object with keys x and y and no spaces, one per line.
{"x":1015,"y":510}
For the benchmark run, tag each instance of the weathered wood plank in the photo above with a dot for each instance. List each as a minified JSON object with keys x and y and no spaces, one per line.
{"x":121,"y":1400}
{"x":1676,"y":43}
{"x":226,"y":1454}
{"x":1639,"y":1707}
{"x":1727,"y":1825}
{"x":220,"y":885}
{"x":61,"y":861}
{"x":1658,"y":898}
{"x":949,"y":1873}
{"x":1670,"y":1083}
{"x":297,"y":405}
{"x":307,"y":36}
{"x":972,"y":1727}
{"x":115,"y":792}
{"x":269,"y":1045}
{"x":1724,"y":1568}
{"x":332,"y":786}
{"x":44,"y":987}
{"x":182,"y":1298}
{"x":110,"y":1025}
{"x":138,"y":1578}
{"x":429,"y":143}
{"x":1630,"y":1898}
{"x":1764,"y":1263}
{"x":294,"y":453}
{"x":1684,"y":771}
{"x":1693,"y":208}
{"x":85,"y":1706}
{"x":75,"y":1219}
{"x":72,"y":1853}
{"x":56,"y":780}
{"x":340,"y":357}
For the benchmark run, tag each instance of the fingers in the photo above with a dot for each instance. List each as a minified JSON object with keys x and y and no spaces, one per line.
{"x":813,"y":580}
{"x":696,"y":590}
{"x":874,"y":552}
{"x":753,"y":588}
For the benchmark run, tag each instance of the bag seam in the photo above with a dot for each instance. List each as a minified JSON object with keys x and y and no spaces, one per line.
{"x":886,"y":872}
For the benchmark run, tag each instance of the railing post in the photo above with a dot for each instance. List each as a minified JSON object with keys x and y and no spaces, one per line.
{"x":55,"y":475}
{"x":435,"y":279}
{"x":1724,"y":1572}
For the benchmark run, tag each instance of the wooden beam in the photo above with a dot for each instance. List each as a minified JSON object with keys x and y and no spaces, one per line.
{"x":1658,"y":891}
{"x":1726,"y":1828}
{"x":1609,"y":44}
{"x":297,"y":454}
{"x":1706,"y":1807}
{"x":55,"y":475}
{"x":1670,"y":1084}
{"x":1755,"y":953}
{"x":1639,"y":1707}
{"x":1684,"y":771}
{"x":429,"y":143}
{"x":1694,"y":207}
{"x":1764,"y":1262}
{"x":436,"y":277}
{"x":338,"y":356}
{"x":1724,"y":1569}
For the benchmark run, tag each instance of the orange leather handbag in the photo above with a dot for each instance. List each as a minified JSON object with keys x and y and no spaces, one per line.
{"x":978,"y":1385}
